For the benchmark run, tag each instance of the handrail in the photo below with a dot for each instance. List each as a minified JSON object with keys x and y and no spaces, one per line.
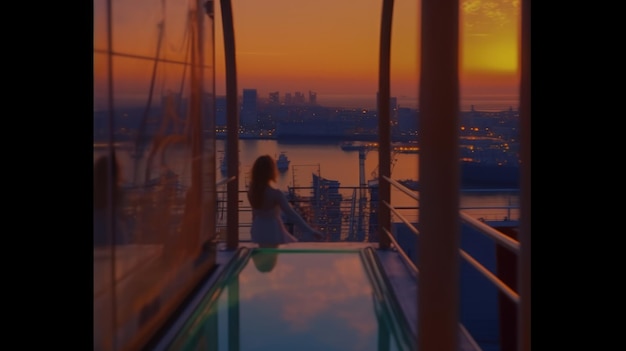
{"x":385,"y":294}
{"x":503,"y":239}
{"x":494,"y":234}
{"x":492,"y":277}
{"x":499,"y":237}
{"x":402,"y":253}
{"x":402,"y":188}
{"x":402,"y":218}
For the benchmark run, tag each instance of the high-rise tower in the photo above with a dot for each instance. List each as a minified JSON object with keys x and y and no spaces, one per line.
{"x":312,"y":98}
{"x":249,"y":109}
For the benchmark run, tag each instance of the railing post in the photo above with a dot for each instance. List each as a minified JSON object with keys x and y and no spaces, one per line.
{"x":506,"y":269}
{"x":384,"y":134}
{"x":232,"y":126}
{"x":439,"y":221}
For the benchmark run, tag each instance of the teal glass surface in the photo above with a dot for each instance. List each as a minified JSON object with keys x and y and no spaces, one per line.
{"x":293,"y":300}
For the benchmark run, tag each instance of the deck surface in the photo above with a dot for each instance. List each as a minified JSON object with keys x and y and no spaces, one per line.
{"x":401,"y":278}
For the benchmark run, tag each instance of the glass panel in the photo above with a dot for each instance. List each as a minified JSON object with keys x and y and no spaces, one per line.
{"x":284,"y":300}
{"x":154,"y":164}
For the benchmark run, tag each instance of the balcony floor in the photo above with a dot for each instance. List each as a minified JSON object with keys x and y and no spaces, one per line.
{"x":401,"y":278}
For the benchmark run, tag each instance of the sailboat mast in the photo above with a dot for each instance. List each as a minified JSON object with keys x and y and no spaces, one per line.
{"x":139,"y":142}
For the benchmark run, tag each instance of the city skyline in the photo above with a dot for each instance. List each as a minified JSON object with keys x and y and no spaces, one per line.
{"x":488,"y":53}
{"x":327,"y":47}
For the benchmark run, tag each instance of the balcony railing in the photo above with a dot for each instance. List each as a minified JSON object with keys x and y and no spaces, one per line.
{"x":349,"y":212}
{"x":501,"y":281}
{"x":128,"y":310}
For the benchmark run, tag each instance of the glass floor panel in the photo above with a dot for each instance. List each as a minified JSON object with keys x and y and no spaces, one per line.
{"x":286,"y":299}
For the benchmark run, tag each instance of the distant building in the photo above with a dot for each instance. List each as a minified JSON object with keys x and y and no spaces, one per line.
{"x":274,"y":98}
{"x":407,"y":119}
{"x":249,"y":109}
{"x":220,"y":111}
{"x":327,"y":206}
{"x":373,"y":235}
{"x":298,"y":98}
{"x":312,"y":98}
{"x":288,"y":99}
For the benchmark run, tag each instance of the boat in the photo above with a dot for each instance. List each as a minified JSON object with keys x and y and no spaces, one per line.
{"x":282,"y":162}
{"x":406,"y":148}
{"x":355,"y":146}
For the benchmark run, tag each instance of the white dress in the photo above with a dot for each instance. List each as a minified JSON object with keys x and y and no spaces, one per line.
{"x":267,"y":224}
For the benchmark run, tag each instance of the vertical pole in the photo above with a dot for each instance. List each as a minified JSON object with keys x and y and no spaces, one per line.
{"x":210,"y":206}
{"x":506,"y":269}
{"x":195,"y":121}
{"x":232,"y":125}
{"x":384,"y":134}
{"x":524,"y":256}
{"x":439,"y":223}
{"x":362,"y":184}
{"x":110,"y":218}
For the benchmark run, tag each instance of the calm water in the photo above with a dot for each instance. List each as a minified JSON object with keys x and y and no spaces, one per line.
{"x":329,"y":161}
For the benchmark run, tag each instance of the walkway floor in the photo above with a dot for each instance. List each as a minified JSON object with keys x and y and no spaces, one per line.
{"x":401,"y":277}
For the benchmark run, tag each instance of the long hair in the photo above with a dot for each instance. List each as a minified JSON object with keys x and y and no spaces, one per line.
{"x":263,"y":171}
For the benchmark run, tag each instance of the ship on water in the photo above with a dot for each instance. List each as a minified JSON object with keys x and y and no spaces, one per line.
{"x":282,"y":162}
{"x":356,"y":146}
{"x":405,"y":148}
{"x":489,"y":162}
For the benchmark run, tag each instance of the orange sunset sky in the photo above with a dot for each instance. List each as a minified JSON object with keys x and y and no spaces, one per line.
{"x":326,"y":46}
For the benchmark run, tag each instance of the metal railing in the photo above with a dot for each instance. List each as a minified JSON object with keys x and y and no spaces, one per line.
{"x":478,"y":224}
{"x":342,"y":215}
{"x":346,"y":215}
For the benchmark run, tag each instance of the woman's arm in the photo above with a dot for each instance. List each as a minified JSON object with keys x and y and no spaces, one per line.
{"x":293,"y":215}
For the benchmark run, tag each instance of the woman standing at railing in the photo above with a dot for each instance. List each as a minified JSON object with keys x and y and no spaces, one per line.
{"x":267,"y":203}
